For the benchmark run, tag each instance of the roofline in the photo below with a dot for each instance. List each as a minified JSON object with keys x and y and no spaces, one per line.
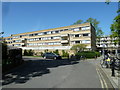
{"x":48,"y":29}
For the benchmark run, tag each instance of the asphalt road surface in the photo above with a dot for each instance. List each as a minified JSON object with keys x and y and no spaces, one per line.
{"x":39,"y":73}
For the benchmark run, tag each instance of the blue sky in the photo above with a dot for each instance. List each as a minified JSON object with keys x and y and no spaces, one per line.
{"x":20,"y":17}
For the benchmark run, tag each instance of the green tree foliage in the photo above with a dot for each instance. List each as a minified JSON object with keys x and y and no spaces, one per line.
{"x":25,"y":52}
{"x":115,"y":29}
{"x":78,"y":47}
{"x":56,"y":52}
{"x":107,"y":1}
{"x":28,"y":52}
{"x":78,"y":22}
{"x":4,"y":51}
{"x":95,"y":23}
{"x":46,"y":50}
{"x":64,"y":53}
{"x":87,"y":54}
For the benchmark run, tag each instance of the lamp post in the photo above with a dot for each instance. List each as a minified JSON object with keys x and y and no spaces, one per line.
{"x":104,"y":50}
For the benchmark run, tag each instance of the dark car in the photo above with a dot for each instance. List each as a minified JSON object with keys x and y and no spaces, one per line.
{"x":51,"y":56}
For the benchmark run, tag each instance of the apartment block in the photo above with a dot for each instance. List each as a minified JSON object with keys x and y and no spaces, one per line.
{"x":107,"y":43}
{"x":61,"y":38}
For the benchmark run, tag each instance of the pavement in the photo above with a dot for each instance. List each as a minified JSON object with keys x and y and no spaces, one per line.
{"x":114,"y":80}
{"x":36,"y":73}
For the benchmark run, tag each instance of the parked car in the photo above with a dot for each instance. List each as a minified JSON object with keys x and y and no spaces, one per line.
{"x":51,"y":56}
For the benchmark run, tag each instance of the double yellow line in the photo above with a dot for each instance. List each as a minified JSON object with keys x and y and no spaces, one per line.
{"x":102,"y":80}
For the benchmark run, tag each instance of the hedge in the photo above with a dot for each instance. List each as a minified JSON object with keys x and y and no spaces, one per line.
{"x":87,"y":54}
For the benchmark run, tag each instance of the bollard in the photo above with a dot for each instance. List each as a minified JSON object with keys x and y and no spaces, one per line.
{"x":113,"y":68}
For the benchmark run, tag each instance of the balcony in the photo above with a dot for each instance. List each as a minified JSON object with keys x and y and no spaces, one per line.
{"x":64,"y":35}
{"x":64,"y":41}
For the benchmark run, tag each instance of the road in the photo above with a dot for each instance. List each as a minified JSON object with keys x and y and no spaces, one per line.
{"x":39,"y":73}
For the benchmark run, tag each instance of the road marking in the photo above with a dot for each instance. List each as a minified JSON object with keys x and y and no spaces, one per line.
{"x":100,"y":78}
{"x":104,"y":81}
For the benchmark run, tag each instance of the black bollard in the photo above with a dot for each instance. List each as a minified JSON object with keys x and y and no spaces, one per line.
{"x":113,"y":68}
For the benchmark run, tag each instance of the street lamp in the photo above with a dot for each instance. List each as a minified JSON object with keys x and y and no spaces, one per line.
{"x":104,"y":50}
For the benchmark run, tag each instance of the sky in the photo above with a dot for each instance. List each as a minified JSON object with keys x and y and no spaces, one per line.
{"x":21,"y":17}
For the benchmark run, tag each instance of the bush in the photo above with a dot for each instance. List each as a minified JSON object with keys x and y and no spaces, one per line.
{"x":46,"y":50}
{"x":87,"y":54}
{"x":98,"y":54}
{"x":56,"y":52}
{"x":25,"y":53}
{"x":65,"y":54}
{"x":4,"y":51}
{"x":28,"y":52}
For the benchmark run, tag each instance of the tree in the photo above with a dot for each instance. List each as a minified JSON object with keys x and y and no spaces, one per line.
{"x":95,"y":23}
{"x":30,"y":52}
{"x":65,"y":54}
{"x":115,"y":29}
{"x":78,"y":22}
{"x":56,"y":52}
{"x":99,"y":34}
{"x":78,"y":47}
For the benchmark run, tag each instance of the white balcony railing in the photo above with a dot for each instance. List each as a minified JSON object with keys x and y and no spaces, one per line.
{"x":64,"y":41}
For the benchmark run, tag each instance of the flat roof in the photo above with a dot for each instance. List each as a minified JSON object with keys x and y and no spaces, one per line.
{"x":65,"y":27}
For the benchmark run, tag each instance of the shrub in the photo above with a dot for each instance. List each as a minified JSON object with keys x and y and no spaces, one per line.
{"x":65,"y":54}
{"x":4,"y":51}
{"x":56,"y":52}
{"x":97,"y":54}
{"x":41,"y":53}
{"x":28,"y":52}
{"x":78,"y":47}
{"x":87,"y":54}
{"x":25,"y":52}
{"x":46,"y":50}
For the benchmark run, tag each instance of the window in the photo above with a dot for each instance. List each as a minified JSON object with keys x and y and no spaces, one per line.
{"x":77,"y":41}
{"x":77,"y":35}
{"x":45,"y":33}
{"x":17,"y":45}
{"x":30,"y":34}
{"x":65,"y":29}
{"x":76,"y":29}
{"x":61,"y":30}
{"x":86,"y":41}
{"x":37,"y":39}
{"x":17,"y":41}
{"x":85,"y":27}
{"x":56,"y":37}
{"x":51,"y":37}
{"x":56,"y":31}
{"x":40,"y":33}
{"x":36,"y":34}
{"x":49,"y":32}
{"x":85,"y":34}
{"x":30,"y":39}
{"x":16,"y":36}
{"x":9,"y":39}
